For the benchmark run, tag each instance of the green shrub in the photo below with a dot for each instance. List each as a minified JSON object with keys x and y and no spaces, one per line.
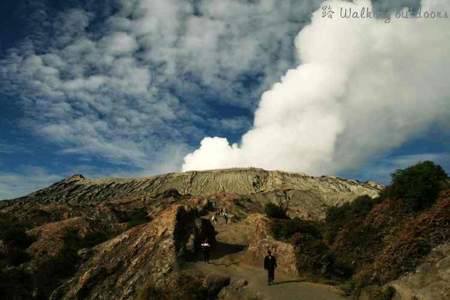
{"x":275,"y":211}
{"x":312,"y":253}
{"x":50,"y":272}
{"x":138,"y":217}
{"x":284,"y":229}
{"x":379,"y":293}
{"x":15,"y":284}
{"x":16,"y":236}
{"x":359,"y":207}
{"x":16,"y":257}
{"x":16,"y":240}
{"x":352,"y":288}
{"x":314,"y":256}
{"x":388,"y":293}
{"x":339,"y":216}
{"x":94,"y":238}
{"x":418,"y":185}
{"x":53,"y":270}
{"x":72,"y":239}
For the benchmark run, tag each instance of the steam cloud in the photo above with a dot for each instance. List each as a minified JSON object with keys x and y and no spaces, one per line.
{"x":363,"y":87}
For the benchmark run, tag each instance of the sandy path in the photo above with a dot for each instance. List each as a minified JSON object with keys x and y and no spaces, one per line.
{"x":227,"y":262}
{"x":284,"y":288}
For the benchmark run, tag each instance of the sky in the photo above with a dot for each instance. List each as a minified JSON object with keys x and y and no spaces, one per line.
{"x":143,"y":87}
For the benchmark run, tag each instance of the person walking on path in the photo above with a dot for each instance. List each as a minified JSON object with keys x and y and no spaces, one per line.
{"x":270,"y":263}
{"x":205,"y":249}
{"x":225,"y":216}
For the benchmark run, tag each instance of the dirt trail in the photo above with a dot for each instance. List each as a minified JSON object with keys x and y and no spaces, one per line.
{"x":283,"y":288}
{"x":226,"y":261}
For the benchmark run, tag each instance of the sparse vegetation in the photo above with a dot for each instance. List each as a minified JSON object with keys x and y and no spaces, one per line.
{"x":338,"y":217}
{"x":49,"y":272}
{"x":15,"y":241}
{"x":313,"y":255}
{"x":284,"y":229}
{"x":138,"y":217}
{"x":386,"y":236}
{"x":16,"y":236}
{"x":275,"y":211}
{"x":15,"y":283}
{"x":383,"y":238}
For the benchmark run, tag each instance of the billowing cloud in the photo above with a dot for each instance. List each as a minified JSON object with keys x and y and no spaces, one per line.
{"x":145,"y":81}
{"x":364,"y":86}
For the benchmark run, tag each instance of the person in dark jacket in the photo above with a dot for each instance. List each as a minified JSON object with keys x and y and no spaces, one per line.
{"x":206,"y":246}
{"x":270,"y":263}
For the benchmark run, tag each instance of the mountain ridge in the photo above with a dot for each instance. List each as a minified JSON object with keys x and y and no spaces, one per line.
{"x":236,"y":180}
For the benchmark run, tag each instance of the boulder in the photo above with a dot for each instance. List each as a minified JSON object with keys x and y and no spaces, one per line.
{"x":261,"y":241}
{"x":431,"y":279}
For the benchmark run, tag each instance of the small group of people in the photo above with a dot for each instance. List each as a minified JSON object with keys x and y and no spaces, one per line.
{"x":222,"y":212}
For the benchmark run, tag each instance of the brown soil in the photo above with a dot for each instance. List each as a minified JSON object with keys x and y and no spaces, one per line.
{"x":229,"y":260}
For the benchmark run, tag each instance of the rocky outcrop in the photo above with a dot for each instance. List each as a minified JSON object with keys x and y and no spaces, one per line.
{"x":49,"y":237}
{"x":144,"y":256}
{"x":261,"y":240}
{"x":431,"y":279}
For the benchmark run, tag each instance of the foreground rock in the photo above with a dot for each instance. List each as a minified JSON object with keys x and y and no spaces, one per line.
{"x":142,"y":258}
{"x":430,"y":281}
{"x":261,"y":240}
{"x":50,"y":237}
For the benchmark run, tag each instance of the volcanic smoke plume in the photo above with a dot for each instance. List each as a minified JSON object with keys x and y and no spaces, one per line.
{"x":363,"y":87}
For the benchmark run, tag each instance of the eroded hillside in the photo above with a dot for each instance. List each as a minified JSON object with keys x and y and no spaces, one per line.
{"x":91,"y":238}
{"x":140,"y":238}
{"x":308,"y":196}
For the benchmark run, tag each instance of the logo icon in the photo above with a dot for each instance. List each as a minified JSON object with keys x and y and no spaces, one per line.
{"x":327,"y":11}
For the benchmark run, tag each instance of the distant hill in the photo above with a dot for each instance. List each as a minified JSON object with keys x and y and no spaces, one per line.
{"x":307,"y":194}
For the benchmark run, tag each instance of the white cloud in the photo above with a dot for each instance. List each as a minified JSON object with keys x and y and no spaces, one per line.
{"x":363,"y":87}
{"x":119,"y":43}
{"x":117,"y":90}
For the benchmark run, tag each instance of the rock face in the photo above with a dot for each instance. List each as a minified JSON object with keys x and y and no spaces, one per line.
{"x":261,"y":240}
{"x":49,"y":237}
{"x":240,"y":181}
{"x":430,"y":281}
{"x":144,"y":256}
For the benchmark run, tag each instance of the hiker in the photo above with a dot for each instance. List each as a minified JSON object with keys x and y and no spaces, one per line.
{"x":270,"y":263}
{"x":205,"y":249}
{"x":225,"y":216}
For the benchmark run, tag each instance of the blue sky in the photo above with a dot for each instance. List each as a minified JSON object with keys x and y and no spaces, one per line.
{"x":129,"y":88}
